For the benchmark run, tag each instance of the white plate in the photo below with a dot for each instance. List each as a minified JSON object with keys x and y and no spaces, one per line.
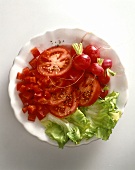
{"x":63,"y":36}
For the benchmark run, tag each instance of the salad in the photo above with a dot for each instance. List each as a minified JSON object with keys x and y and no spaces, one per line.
{"x":66,"y":87}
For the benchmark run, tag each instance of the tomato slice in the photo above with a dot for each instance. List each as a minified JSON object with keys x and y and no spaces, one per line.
{"x":60,"y":95}
{"x":54,"y":61}
{"x":65,"y":108}
{"x":88,"y":90}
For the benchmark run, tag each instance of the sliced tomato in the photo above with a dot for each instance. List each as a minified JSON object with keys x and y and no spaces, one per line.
{"x":88,"y":90}
{"x":54,"y":61}
{"x":65,"y":108}
{"x":60,"y":96}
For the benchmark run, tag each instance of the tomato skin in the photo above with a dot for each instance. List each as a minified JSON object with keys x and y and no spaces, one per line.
{"x":54,"y":61}
{"x":88,"y":91}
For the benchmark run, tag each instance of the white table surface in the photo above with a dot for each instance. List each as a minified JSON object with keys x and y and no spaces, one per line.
{"x":112,"y":20}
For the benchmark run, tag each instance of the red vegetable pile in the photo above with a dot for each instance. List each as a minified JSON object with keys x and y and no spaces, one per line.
{"x":61,"y":78}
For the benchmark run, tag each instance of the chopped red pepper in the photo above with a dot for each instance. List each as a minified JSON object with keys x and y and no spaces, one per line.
{"x":35,"y":52}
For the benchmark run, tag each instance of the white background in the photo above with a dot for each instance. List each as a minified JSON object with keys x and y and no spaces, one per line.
{"x":112,"y":20}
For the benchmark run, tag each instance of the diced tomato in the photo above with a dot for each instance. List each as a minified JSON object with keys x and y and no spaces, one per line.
{"x":32,"y":117}
{"x":42,"y":111}
{"x":42,"y":100}
{"x":36,"y":88}
{"x":23,"y":99}
{"x":52,"y":84}
{"x":35,"y":52}
{"x":47,"y":94}
{"x":19,"y":84}
{"x":30,"y":79}
{"x":27,"y":95}
{"x":31,"y":109}
{"x":25,"y":71}
{"x":35,"y":73}
{"x":38,"y":94}
{"x":19,"y":76}
{"x":41,"y":114}
{"x":33,"y":62}
{"x":25,"y":109}
{"x":22,"y":88}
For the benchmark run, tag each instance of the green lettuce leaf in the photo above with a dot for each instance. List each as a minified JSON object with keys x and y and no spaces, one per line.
{"x":56,"y":132}
{"x":103,"y":115}
{"x":79,"y":120}
{"x":75,"y":127}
